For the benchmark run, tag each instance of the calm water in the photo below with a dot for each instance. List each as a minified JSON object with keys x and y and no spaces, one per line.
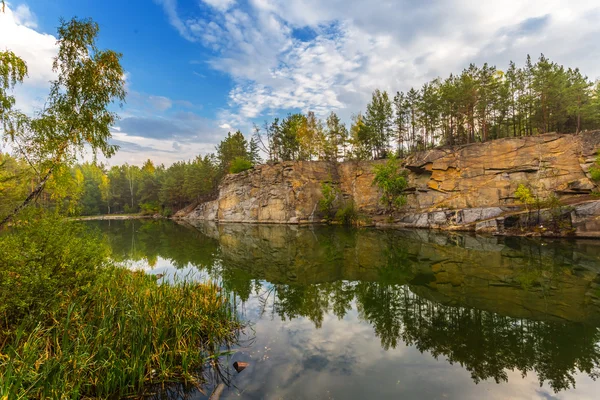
{"x":377,"y":314}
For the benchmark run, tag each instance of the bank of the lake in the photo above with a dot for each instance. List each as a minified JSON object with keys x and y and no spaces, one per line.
{"x":111,"y":217}
{"x":387,"y":313}
{"x":73,"y":324}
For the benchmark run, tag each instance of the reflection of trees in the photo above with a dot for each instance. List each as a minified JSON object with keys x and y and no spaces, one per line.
{"x":146,"y":240}
{"x":306,"y":270}
{"x":487,"y":344}
{"x":484,"y":343}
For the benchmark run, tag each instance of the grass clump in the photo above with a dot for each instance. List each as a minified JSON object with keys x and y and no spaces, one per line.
{"x":74,"y":326}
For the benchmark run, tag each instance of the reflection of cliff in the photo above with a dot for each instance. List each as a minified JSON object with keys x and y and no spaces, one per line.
{"x":513,"y":277}
{"x":487,"y":304}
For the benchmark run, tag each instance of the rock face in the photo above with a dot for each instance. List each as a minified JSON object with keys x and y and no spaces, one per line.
{"x":468,"y":187}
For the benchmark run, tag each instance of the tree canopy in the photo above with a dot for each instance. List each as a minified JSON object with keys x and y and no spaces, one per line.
{"x":76,"y":115}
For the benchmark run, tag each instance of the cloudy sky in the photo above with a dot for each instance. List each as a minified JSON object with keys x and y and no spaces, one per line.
{"x":199,"y":68}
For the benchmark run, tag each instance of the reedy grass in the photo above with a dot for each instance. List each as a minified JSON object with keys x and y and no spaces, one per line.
{"x":73,"y":331}
{"x":123,"y":334}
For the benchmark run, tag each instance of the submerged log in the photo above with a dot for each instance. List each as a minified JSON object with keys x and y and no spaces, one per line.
{"x":217,"y":393}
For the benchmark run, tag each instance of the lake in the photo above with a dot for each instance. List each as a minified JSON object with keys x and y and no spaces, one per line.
{"x":338,"y":313}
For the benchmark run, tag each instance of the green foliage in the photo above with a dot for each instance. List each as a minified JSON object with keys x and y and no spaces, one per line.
{"x":76,"y":115}
{"x":239,"y":164}
{"x":595,"y":170}
{"x":149,"y":208}
{"x":236,"y":149}
{"x":73,"y":326}
{"x":378,"y":125}
{"x":40,"y":258}
{"x":555,"y":214}
{"x":347,"y":214}
{"x":12,"y":71}
{"x":524,"y":195}
{"x":391,"y":180}
{"x":330,"y":194}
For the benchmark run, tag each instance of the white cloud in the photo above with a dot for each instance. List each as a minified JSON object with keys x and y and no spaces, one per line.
{"x":24,"y":16}
{"x":18,"y":34}
{"x":160,"y":103}
{"x":311,"y":54}
{"x":220,"y":4}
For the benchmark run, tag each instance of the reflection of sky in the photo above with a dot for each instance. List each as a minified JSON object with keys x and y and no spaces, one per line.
{"x":344,"y":360}
{"x":170,"y":273}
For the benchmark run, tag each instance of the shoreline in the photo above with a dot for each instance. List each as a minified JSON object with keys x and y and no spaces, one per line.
{"x":110,"y":217}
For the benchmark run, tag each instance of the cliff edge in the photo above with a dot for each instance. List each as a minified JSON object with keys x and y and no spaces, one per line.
{"x":469,"y":187}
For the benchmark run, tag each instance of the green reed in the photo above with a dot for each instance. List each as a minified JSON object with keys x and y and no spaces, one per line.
{"x":115,"y":336}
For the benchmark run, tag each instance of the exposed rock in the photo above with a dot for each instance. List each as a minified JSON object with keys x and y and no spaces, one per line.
{"x":464,"y":187}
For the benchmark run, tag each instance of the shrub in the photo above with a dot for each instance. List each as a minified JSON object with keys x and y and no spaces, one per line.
{"x":391,"y":180}
{"x":39,"y":259}
{"x":524,"y":195}
{"x":330,"y":195}
{"x":595,"y":170}
{"x":167,"y":212}
{"x":239,"y":164}
{"x":149,"y":208}
{"x":348,"y":214}
{"x":129,"y":209}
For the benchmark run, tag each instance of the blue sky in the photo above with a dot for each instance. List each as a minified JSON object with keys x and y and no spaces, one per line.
{"x":198,"y":68}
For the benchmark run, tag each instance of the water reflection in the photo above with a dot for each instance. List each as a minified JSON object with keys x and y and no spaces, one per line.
{"x":490,"y":305}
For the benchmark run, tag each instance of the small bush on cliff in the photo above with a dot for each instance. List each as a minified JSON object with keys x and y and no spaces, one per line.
{"x":239,"y":164}
{"x":391,"y":180}
{"x":330,"y":195}
{"x":552,"y":203}
{"x":595,"y":170}
{"x":348,"y":214}
{"x":524,"y":195}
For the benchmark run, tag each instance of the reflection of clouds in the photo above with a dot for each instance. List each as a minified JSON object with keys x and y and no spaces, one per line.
{"x":344,"y":360}
{"x":344,"y":357}
{"x":171,"y":273}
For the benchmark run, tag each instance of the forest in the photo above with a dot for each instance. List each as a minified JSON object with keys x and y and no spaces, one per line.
{"x":480,"y":104}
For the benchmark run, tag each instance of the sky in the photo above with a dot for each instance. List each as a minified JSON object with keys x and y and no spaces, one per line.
{"x":196,"y":69}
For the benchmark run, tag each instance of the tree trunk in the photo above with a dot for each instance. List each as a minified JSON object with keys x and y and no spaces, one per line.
{"x":32,"y":196}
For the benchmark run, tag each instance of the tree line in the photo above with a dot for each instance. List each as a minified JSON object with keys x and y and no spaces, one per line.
{"x":477,"y":105}
{"x":92,"y":189}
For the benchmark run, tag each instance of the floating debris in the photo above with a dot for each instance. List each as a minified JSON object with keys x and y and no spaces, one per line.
{"x":240,"y":366}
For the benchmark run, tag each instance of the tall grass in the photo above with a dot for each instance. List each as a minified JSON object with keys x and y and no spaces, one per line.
{"x":113,"y":336}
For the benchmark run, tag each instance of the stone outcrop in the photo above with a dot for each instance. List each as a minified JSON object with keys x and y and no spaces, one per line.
{"x":469,"y":187}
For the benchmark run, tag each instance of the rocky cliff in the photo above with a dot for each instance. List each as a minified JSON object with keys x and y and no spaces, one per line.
{"x":470,"y":187}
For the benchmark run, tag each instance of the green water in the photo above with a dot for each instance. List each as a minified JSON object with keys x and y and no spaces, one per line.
{"x":375,"y":314}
